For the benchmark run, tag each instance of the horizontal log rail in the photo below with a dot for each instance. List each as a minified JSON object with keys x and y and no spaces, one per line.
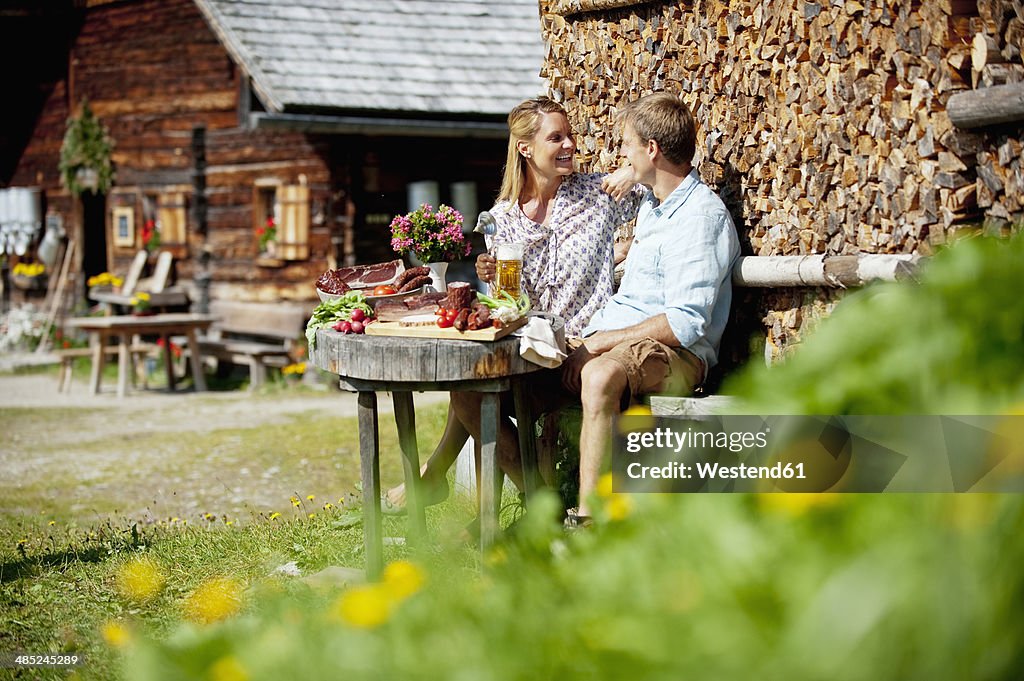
{"x":987,"y":106}
{"x":835,"y":271}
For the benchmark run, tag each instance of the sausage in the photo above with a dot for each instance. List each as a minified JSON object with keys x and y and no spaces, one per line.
{"x":409,"y":275}
{"x":462,"y":321}
{"x":414,"y":283}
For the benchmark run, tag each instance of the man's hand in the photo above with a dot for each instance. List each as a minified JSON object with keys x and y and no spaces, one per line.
{"x":485,"y":267}
{"x":619,"y":183}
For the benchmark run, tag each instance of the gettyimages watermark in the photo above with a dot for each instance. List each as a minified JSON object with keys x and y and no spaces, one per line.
{"x":818,"y":454}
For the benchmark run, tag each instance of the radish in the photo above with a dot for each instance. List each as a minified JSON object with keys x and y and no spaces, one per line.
{"x":357,"y":316}
{"x":344,"y":327}
{"x":357,"y":327}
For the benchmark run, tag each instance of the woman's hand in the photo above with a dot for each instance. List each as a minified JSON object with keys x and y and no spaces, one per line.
{"x":619,"y":183}
{"x":485,"y":267}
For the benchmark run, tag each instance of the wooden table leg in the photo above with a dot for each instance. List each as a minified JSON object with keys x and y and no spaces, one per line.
{"x":122,"y":364}
{"x":369,"y":464}
{"x":405,"y":419}
{"x":527,"y":446}
{"x":98,"y":340}
{"x":195,"y":361}
{"x":168,"y":361}
{"x":489,"y":471}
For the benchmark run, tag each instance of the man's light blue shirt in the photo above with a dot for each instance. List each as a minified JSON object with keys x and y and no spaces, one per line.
{"x":680,"y":264}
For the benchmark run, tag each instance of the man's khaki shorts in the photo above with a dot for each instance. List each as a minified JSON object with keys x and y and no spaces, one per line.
{"x":653,"y":367}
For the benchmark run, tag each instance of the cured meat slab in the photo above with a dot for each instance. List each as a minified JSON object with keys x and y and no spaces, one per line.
{"x":369,"y":276}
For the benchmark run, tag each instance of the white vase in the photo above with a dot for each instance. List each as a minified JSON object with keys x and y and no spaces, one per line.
{"x":438,"y":270}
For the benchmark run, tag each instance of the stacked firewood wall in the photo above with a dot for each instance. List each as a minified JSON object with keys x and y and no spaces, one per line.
{"x":822,"y":124}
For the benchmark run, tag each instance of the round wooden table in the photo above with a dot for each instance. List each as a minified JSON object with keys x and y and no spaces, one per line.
{"x":400,"y":365}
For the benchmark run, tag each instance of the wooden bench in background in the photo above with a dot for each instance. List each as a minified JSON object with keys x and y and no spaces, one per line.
{"x":257,"y":335}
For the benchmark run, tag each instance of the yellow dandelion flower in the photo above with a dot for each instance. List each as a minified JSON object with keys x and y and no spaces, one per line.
{"x":209,"y":516}
{"x":275,"y":515}
{"x":366,"y":606}
{"x":295,"y":502}
{"x":140,"y":579}
{"x":619,"y":506}
{"x":403,"y":578}
{"x":328,"y":506}
{"x":636,"y":417}
{"x":142,"y":295}
{"x":52,"y":523}
{"x":495,"y":556}
{"x":229,"y":523}
{"x":312,"y":515}
{"x":310,"y":497}
{"x":796,"y":503}
{"x":116,"y":634}
{"x":214,"y":600}
{"x":604,"y":486}
{"x":228,"y":668}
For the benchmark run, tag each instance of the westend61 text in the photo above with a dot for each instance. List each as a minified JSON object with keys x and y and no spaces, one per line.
{"x":713,"y":471}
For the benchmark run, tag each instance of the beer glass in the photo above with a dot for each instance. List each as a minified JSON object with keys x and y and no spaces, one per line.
{"x":509,"y":268}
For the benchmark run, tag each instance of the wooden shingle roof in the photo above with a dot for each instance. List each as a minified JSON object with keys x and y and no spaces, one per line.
{"x":459,"y":57}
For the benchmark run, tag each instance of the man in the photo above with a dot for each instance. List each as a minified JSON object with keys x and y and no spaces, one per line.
{"x":660,"y":332}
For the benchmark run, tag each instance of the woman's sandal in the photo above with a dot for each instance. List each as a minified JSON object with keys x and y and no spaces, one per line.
{"x":434,"y":495}
{"x":574,"y":521}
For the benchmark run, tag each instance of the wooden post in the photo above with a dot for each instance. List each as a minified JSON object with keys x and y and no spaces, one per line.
{"x":405,"y":419}
{"x":199,"y":215}
{"x":369,"y":464}
{"x":489,"y":472}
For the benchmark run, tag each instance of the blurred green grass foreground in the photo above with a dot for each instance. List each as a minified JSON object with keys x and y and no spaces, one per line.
{"x":774,"y":586}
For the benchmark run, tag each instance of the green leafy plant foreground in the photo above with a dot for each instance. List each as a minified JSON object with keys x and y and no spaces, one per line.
{"x":952,"y":343}
{"x":776,"y":586}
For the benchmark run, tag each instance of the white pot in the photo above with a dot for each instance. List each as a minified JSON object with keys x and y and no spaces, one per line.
{"x":438,"y":270}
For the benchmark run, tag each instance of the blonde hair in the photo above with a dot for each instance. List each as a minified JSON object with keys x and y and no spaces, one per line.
{"x":523,"y":124}
{"x":666,"y":119}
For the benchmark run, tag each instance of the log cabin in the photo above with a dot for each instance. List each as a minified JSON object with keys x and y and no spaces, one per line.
{"x":326,"y":117}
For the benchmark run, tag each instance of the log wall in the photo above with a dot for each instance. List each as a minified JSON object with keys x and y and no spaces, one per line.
{"x":821,"y":124}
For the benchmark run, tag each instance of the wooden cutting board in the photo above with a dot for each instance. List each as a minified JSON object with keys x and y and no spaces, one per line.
{"x":434,"y":331}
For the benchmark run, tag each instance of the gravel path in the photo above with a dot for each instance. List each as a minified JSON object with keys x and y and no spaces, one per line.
{"x":134,"y":465}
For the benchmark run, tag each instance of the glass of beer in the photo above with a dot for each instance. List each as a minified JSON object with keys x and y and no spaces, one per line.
{"x":509,"y":268}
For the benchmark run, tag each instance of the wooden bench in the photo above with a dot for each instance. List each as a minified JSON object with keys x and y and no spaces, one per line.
{"x":257,"y":335}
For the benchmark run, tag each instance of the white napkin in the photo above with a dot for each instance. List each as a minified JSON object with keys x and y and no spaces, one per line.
{"x":537,"y":343}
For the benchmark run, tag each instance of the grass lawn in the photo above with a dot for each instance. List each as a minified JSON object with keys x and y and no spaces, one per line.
{"x":232,"y":502}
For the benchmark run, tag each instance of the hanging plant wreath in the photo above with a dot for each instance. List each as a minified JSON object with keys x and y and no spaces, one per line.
{"x":85,"y":154}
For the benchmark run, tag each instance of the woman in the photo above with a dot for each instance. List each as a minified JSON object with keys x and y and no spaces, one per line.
{"x":567,"y":222}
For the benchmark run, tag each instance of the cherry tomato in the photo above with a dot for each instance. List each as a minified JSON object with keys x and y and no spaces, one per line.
{"x":444,"y":322}
{"x":384,"y":290}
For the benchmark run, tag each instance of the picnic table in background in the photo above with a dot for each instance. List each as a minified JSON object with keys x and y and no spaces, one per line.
{"x":100,"y":329}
